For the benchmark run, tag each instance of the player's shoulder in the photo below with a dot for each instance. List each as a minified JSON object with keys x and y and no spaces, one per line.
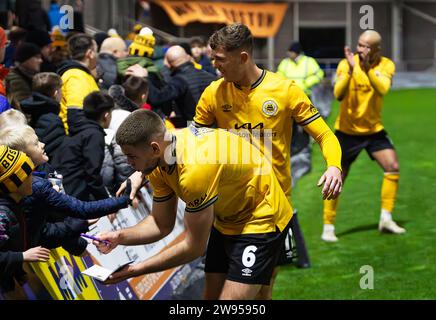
{"x":289,"y":86}
{"x":278,"y":79}
{"x":343,"y":63}
{"x":274,"y":76}
{"x":384,"y":61}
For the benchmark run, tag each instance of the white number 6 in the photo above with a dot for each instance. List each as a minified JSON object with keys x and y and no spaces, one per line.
{"x":248,"y":257}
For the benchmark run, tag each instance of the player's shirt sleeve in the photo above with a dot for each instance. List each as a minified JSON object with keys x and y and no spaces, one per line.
{"x":204,"y":112}
{"x":330,"y":147}
{"x":381,"y":78}
{"x":302,"y":110}
{"x":161,"y":190}
{"x":199,"y":184}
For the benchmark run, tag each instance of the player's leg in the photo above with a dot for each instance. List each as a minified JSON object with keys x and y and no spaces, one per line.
{"x":329,"y":212}
{"x":233,"y":290}
{"x":216,"y":266}
{"x":252,"y":261}
{"x":286,"y":257}
{"x":214,"y":283}
{"x":265,"y":292}
{"x":351,"y":147}
{"x":388,"y":160}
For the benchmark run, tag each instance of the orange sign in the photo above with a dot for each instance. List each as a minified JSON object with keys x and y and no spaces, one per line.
{"x":263,"y":19}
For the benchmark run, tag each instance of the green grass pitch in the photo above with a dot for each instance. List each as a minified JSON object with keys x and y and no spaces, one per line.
{"x":404,"y":265}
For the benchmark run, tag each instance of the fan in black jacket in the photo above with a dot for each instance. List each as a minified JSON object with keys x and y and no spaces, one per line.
{"x":44,"y":119}
{"x":81,"y":155}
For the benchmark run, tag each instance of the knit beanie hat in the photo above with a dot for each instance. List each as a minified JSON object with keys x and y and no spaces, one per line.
{"x":143,"y":44}
{"x":39,"y":37}
{"x":295,"y":47}
{"x":25,"y":51}
{"x":3,"y":37}
{"x":112,"y":32}
{"x":59,"y":40}
{"x":15,"y":168}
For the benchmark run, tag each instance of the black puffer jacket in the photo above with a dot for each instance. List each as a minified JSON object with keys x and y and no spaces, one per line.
{"x":115,"y":168}
{"x":12,"y":243}
{"x":80,"y":158}
{"x":44,"y":119}
{"x":107,"y":70}
{"x":184,"y":88}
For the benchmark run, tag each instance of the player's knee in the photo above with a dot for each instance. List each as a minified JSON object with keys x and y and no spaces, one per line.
{"x":393,"y":167}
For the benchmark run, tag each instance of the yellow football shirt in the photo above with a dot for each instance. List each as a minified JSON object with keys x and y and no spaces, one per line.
{"x":361,"y":96}
{"x":266,"y":109}
{"x":213,"y":166}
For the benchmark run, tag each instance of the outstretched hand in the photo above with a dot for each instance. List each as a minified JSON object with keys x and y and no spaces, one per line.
{"x":108,"y":241}
{"x":127,"y":272}
{"x":135,"y":184}
{"x":332,"y":180}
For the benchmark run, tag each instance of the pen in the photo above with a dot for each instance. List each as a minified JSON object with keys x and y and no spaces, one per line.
{"x":106,"y":242}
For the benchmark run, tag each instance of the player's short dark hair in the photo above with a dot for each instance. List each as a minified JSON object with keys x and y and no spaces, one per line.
{"x":140,"y":127}
{"x":232,"y":37}
{"x":46,"y":83}
{"x":78,"y":44}
{"x":135,"y":87}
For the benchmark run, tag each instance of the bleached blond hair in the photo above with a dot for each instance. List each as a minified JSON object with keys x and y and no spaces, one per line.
{"x":12,"y":117}
{"x":18,"y":137}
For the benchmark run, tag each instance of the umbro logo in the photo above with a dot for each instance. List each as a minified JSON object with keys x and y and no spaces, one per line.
{"x":246,"y":272}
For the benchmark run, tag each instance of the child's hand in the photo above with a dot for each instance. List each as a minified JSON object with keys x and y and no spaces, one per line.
{"x":36,"y":254}
{"x":57,"y":188}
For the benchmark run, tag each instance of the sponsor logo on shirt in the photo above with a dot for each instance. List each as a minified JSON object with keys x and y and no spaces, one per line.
{"x":197,"y":202}
{"x":249,"y":126}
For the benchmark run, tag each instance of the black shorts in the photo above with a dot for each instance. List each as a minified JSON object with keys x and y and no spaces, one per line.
{"x":247,"y":258}
{"x":288,"y":254}
{"x":351,"y":145}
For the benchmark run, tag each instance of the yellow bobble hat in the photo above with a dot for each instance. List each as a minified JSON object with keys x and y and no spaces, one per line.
{"x":57,"y":38}
{"x":143,"y":44}
{"x":15,"y":168}
{"x":113,"y":33}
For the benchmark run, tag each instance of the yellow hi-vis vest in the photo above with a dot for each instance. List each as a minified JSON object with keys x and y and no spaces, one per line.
{"x":305,"y":72}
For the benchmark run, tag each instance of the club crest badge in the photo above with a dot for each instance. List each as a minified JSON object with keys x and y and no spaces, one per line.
{"x":270,"y":108}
